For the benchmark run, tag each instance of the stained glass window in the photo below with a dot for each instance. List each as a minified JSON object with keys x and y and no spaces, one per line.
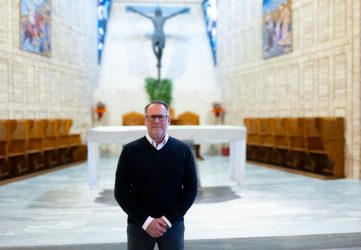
{"x":210,"y":16}
{"x":103,"y":11}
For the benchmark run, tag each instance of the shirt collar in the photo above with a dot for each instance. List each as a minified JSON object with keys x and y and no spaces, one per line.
{"x":154,"y":144}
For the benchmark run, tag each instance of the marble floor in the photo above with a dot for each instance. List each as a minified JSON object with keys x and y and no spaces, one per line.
{"x":59,"y":208}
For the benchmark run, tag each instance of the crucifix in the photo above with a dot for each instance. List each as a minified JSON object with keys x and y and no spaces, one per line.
{"x":158,"y":36}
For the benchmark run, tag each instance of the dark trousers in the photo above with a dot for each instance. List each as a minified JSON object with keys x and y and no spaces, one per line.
{"x":173,"y":239}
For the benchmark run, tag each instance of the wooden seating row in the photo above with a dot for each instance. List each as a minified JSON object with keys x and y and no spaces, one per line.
{"x":31,"y":145}
{"x":309,"y":144}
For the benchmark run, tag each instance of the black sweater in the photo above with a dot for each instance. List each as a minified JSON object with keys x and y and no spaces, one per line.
{"x":151,"y":182}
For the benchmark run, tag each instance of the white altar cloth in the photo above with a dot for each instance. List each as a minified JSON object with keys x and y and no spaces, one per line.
{"x":235,"y":135}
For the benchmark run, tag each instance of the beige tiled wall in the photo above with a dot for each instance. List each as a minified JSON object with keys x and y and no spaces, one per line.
{"x":320,"y":77}
{"x":34,"y":86}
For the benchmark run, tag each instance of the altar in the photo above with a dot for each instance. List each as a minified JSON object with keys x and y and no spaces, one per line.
{"x":234,"y":135}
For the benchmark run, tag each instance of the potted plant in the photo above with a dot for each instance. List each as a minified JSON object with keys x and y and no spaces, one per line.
{"x":219,"y":112}
{"x":159,"y":90}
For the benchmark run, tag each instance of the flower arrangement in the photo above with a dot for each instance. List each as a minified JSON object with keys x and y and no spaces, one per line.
{"x":100,"y":109}
{"x":218,"y":111}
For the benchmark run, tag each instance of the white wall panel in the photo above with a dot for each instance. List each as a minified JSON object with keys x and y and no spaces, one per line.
{"x":320,"y":77}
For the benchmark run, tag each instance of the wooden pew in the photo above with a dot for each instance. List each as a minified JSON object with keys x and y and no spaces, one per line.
{"x":316,"y":156}
{"x":78,"y":151}
{"x":35,"y":145}
{"x":267,"y":139}
{"x":333,"y":136}
{"x":310,"y":145}
{"x":31,"y":145}
{"x":19,"y":134}
{"x":5,"y":170}
{"x":297,"y":148}
{"x":63,"y":145}
{"x":280,"y":141}
{"x":51,"y":142}
{"x":253,"y":138}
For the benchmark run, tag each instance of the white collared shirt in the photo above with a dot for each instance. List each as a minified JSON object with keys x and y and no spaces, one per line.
{"x":154,"y":144}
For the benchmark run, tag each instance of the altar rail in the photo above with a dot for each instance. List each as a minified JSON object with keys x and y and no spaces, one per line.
{"x":28,"y":146}
{"x":310,"y":145}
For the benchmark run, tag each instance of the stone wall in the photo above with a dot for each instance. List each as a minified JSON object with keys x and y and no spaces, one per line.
{"x":35,"y":86}
{"x":320,"y":77}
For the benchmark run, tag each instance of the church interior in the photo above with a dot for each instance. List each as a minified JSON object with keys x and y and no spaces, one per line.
{"x":267,"y":94}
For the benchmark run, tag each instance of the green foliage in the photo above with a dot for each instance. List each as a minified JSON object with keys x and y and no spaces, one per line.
{"x":159,"y":90}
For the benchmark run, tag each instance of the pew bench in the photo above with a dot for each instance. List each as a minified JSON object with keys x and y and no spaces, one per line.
{"x":310,"y":145}
{"x":33,"y":145}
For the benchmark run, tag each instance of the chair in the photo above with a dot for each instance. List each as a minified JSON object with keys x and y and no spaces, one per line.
{"x":5,"y":170}
{"x":316,"y":156}
{"x":75,"y":146}
{"x":172,"y":115}
{"x":63,"y":149}
{"x":253,"y":138}
{"x":80,"y":153}
{"x":190,"y":118}
{"x":333,"y":136}
{"x":281,"y":141}
{"x":133,"y":119}
{"x":51,"y":142}
{"x":35,"y":145}
{"x":297,"y":148}
{"x":17,"y":157}
{"x":267,"y":139}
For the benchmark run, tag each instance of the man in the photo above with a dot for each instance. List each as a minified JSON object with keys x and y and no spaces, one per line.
{"x":155,"y":184}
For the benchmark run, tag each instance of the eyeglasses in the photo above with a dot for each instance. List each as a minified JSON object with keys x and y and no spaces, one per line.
{"x":152,"y":118}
